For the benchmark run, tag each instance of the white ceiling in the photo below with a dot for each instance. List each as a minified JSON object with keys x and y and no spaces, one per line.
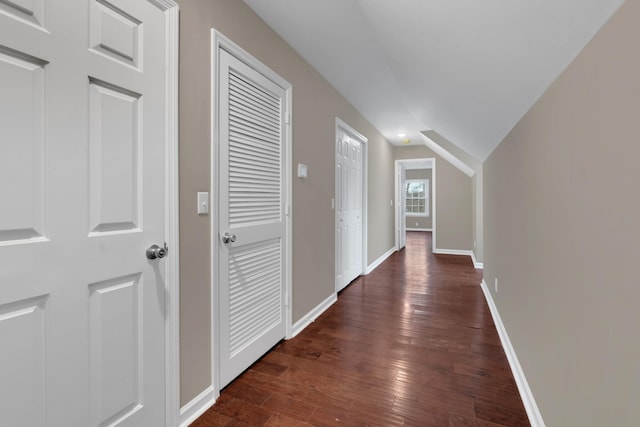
{"x":467,"y":69}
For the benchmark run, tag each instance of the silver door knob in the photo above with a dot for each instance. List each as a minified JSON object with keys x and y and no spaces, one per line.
{"x":228,"y":238}
{"x":155,"y":251}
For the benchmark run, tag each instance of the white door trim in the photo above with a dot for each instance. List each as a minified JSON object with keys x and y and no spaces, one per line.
{"x":219,"y":41}
{"x":401,"y":217}
{"x":397,"y":243}
{"x":172,"y":207}
{"x":342,"y":125}
{"x":399,"y":196}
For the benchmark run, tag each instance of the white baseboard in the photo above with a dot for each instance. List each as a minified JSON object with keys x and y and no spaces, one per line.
{"x":418,"y":229}
{"x":312,"y":315}
{"x":535,"y":417}
{"x":476,"y":264}
{"x":466,"y":252}
{"x":198,"y":406}
{"x":380,"y":260}
{"x":452,"y":251}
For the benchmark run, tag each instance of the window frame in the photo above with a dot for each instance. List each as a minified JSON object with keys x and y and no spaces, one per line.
{"x":427,"y":194}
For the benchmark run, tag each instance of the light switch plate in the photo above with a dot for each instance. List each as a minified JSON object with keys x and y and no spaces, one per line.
{"x":302,"y":171}
{"x":203,"y":203}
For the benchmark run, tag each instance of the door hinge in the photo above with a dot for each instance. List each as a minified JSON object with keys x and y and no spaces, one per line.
{"x":287,"y":209}
{"x":287,"y":118}
{"x":286,"y":299}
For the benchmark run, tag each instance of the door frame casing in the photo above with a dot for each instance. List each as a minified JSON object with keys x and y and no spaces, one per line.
{"x":172,"y":232}
{"x":401,"y":227}
{"x":172,"y":272}
{"x":399,"y":196}
{"x":219,"y":41}
{"x":364,"y":141}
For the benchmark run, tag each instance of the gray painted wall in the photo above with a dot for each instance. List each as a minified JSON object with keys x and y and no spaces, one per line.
{"x":453,"y":199}
{"x":476,"y":189}
{"x":562,"y":236}
{"x":316,"y":104}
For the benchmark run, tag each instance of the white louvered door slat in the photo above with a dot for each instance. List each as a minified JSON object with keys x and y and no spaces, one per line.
{"x":251,"y":207}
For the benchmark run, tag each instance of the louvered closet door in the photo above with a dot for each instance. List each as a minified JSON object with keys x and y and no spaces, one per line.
{"x":251,"y":212}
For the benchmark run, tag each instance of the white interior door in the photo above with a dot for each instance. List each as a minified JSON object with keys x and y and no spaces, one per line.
{"x":251,"y":214}
{"x":348,"y":206}
{"x":402,"y":210}
{"x":82,"y":167}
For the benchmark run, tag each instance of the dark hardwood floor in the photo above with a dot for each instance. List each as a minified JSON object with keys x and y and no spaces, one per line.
{"x":411,"y":344}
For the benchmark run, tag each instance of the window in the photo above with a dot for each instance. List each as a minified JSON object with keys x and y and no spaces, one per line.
{"x":417,"y":197}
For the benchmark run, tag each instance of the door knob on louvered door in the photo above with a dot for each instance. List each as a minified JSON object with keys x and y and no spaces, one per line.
{"x":228,"y":238}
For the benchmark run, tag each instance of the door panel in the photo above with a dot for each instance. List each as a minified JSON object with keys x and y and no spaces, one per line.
{"x":82,"y":167}
{"x":22,"y":89}
{"x":114,"y":331}
{"x":115,"y":33}
{"x":254,"y":305}
{"x":114,"y":159}
{"x":23,"y":355}
{"x":251,"y":208}
{"x":27,"y":11}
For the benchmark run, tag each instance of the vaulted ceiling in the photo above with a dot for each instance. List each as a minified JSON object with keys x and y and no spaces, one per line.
{"x":467,"y":69}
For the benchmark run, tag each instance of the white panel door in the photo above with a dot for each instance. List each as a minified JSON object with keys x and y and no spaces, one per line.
{"x":402,"y":207}
{"x":349,"y":160}
{"x":82,"y":167}
{"x":251,"y":188}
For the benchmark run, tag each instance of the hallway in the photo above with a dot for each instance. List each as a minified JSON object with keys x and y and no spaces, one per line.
{"x":411,"y":344}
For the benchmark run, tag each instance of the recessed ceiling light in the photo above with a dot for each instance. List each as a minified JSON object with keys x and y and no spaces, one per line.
{"x":402,"y":135}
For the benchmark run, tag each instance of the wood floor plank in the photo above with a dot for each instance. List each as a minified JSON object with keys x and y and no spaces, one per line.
{"x":246,"y":412}
{"x":411,"y":344}
{"x":294,"y":408}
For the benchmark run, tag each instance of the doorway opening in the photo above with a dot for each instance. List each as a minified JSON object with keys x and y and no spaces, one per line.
{"x":415,"y":195}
